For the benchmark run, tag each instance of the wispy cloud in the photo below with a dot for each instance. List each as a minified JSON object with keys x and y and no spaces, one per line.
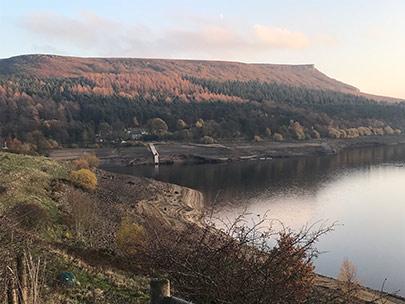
{"x":91,"y":33}
{"x":87,"y":31}
{"x":281,"y":37}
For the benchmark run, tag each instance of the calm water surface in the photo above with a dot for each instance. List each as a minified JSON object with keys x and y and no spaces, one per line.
{"x":363,"y":190}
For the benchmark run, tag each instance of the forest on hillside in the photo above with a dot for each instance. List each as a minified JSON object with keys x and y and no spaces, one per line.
{"x":40,"y":113}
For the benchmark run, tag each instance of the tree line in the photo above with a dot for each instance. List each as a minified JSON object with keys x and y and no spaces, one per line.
{"x":44,"y":113}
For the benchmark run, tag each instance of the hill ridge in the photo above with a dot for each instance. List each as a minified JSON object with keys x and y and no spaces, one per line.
{"x":47,"y":65}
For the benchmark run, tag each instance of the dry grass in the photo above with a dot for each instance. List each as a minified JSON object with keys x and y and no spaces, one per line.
{"x":27,"y":179}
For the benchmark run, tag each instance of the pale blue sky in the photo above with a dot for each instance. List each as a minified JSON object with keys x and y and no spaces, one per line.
{"x":361,"y":42}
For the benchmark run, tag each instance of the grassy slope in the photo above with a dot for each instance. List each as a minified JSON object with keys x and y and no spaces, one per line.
{"x":27,"y":179}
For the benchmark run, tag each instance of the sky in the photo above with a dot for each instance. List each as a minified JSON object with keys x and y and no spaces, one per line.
{"x":360,"y":42}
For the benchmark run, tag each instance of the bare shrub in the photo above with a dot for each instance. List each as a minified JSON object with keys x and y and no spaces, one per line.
{"x":83,"y":212}
{"x":26,"y":280}
{"x":91,"y":159}
{"x":239,"y":264}
{"x":81,"y":164}
{"x":86,"y":161}
{"x":29,"y":216}
{"x":89,"y":224}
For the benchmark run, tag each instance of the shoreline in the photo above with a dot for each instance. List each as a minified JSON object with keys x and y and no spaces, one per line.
{"x":178,"y":205}
{"x":226,"y":151}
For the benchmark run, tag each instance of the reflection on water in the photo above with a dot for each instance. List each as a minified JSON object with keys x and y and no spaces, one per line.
{"x":364,"y":190}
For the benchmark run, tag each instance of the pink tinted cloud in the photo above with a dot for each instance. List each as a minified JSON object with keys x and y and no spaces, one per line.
{"x":281,"y":37}
{"x":104,"y":36}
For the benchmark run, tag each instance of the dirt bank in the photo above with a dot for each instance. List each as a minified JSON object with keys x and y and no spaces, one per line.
{"x":175,"y":152}
{"x":146,"y":198}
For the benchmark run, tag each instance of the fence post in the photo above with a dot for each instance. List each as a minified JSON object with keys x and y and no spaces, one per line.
{"x":159,"y":289}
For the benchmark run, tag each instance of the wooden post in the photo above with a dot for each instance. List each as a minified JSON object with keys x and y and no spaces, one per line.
{"x":159,"y":289}
{"x":22,"y":279}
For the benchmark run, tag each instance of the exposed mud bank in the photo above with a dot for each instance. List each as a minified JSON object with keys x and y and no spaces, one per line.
{"x":175,"y":152}
{"x":146,"y":198}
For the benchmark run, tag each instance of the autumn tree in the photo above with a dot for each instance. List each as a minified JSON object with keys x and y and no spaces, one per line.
{"x":158,"y":127}
{"x":181,"y":124}
{"x":297,"y":130}
{"x":349,"y":283}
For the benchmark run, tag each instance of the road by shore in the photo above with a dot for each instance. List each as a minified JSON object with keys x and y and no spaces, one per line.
{"x":236,"y":150}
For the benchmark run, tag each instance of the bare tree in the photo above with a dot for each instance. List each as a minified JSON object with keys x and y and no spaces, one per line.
{"x":349,"y":283}
{"x":90,"y":224}
{"x":239,"y":264}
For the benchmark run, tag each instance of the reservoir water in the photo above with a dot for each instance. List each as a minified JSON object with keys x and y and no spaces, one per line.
{"x":362,"y":190}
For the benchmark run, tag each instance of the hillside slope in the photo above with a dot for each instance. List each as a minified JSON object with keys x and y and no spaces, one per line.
{"x":75,"y":230}
{"x":59,"y":66}
{"x":47,"y":101}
